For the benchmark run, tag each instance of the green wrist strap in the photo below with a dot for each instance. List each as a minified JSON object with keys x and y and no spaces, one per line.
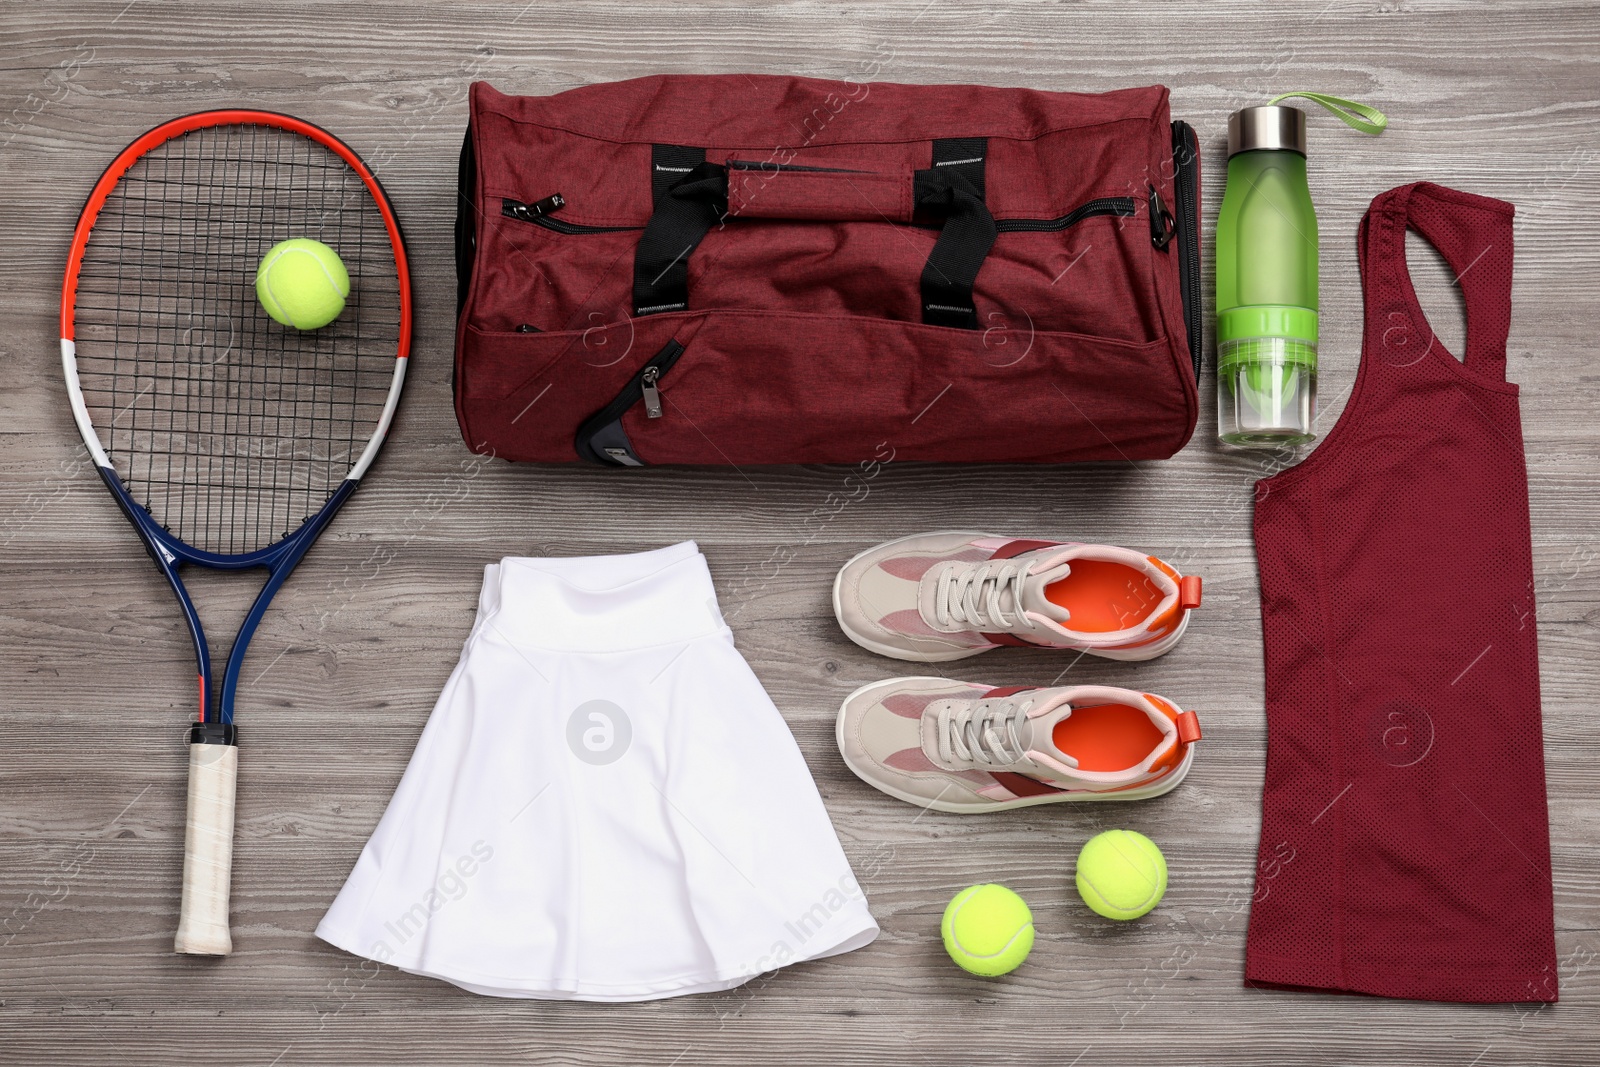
{"x":1363,"y":117}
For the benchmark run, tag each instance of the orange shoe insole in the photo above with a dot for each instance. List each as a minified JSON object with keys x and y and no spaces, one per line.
{"x":1103,"y":595}
{"x":1106,"y":737}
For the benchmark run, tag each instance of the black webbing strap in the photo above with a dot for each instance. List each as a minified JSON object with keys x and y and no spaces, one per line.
{"x":965,"y":156}
{"x":668,"y":165}
{"x":688,"y":205}
{"x":953,"y":188}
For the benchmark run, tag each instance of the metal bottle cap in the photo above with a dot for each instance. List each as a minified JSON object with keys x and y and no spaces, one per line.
{"x":1272,"y":126}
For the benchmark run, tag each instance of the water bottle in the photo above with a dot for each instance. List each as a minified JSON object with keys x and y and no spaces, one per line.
{"x":1267,"y":273}
{"x":1266,"y":283}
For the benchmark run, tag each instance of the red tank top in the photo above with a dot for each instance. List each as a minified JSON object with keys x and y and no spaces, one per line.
{"x":1405,"y":845}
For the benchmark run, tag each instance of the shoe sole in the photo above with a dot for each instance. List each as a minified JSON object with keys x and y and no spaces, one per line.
{"x":1137,"y":654}
{"x":1154,"y":789}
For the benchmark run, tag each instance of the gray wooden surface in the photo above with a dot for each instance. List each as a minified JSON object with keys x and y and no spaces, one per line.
{"x":95,"y":676}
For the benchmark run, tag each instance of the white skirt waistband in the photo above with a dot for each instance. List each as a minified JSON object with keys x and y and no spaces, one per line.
{"x":601,"y":603}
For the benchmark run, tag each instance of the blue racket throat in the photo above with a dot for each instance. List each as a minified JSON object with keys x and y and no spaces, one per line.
{"x":169,"y":554}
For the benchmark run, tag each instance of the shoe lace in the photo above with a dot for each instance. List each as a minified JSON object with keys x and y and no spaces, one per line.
{"x":987,"y":732}
{"x":971,"y":596}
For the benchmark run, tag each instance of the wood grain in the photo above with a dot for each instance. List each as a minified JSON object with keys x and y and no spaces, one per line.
{"x":1497,"y":97}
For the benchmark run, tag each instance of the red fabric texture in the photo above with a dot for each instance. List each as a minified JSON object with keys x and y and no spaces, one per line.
{"x":1405,"y":846}
{"x":804,"y":334}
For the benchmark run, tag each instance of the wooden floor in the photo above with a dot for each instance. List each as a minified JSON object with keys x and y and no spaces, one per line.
{"x":95,"y":677}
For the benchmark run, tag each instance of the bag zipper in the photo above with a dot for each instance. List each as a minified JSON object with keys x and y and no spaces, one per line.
{"x":1186,"y":182}
{"x":1162,"y":224}
{"x":466,"y":221}
{"x":517,"y":209}
{"x":645,"y":385}
{"x":1105,"y":205}
{"x":538,"y":213}
{"x":751,"y":164}
{"x":652,"y":395}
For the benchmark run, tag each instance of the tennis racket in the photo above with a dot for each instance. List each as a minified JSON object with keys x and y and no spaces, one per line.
{"x":229,"y":441}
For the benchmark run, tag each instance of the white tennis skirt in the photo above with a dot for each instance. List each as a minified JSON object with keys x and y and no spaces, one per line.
{"x":605,"y":804}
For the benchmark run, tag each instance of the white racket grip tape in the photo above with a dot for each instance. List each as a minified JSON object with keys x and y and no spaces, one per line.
{"x":208,"y":851}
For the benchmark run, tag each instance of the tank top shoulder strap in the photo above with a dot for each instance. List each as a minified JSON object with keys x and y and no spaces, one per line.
{"x":1474,"y":235}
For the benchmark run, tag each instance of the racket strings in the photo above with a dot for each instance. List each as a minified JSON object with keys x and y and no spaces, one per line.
{"x":230,"y":428}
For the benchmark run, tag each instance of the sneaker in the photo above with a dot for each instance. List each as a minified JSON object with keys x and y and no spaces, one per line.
{"x":944,"y":596}
{"x":959,"y":747}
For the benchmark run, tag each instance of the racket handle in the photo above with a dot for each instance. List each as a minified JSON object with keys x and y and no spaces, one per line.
{"x":208,"y":842}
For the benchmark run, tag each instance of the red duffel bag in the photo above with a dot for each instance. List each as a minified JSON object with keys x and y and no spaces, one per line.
{"x":754,"y":269}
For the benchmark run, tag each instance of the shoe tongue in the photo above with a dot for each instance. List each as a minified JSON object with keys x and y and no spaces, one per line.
{"x":1045,"y":567}
{"x":1038,"y":733}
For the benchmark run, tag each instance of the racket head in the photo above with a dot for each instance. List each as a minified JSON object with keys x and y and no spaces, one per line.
{"x":228,"y":432}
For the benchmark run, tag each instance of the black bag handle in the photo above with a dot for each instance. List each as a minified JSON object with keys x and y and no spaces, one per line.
{"x":692,"y":197}
{"x":684,"y":214}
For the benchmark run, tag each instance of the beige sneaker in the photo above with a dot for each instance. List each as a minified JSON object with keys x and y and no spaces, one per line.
{"x":958,"y":747}
{"x":944,"y":596}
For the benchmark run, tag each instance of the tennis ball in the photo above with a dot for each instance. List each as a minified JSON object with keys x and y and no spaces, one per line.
{"x":988,"y":930}
{"x":302,"y":283}
{"x":1121,"y":874}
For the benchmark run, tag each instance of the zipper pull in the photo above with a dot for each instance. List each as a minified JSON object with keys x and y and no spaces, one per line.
{"x":1162,"y":225}
{"x":528,"y":212}
{"x":652,"y":395}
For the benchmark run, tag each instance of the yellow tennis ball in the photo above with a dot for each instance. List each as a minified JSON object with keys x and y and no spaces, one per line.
{"x":1121,"y":874}
{"x":988,"y":930}
{"x":302,"y":283}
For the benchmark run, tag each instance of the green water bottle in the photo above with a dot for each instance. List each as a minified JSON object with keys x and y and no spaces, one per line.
{"x":1266,"y":283}
{"x":1267,"y":273}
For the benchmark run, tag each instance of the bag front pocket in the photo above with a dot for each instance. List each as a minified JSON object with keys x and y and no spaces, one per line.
{"x":767,"y":388}
{"x":523,"y":395}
